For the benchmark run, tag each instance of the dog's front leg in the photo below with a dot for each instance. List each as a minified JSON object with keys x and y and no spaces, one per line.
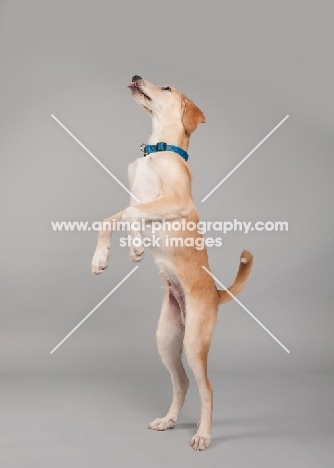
{"x":133,"y":223}
{"x":165,"y":207}
{"x":101,"y":254}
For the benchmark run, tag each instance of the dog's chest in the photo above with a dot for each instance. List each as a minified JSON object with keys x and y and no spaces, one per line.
{"x":144,"y":181}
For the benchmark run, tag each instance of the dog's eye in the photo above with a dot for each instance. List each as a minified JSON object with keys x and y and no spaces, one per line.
{"x":166,"y":88}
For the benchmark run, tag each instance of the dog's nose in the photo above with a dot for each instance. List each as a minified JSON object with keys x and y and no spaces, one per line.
{"x":136,"y":78}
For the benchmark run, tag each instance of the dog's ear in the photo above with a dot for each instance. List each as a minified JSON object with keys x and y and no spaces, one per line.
{"x":192,"y":115}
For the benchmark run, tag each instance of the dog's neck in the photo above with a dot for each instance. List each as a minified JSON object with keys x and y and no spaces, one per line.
{"x":172,"y":133}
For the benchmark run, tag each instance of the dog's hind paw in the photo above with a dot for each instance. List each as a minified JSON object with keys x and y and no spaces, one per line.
{"x":200,"y":442}
{"x":161,"y":424}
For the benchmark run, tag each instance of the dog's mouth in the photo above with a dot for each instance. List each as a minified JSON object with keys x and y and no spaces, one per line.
{"x":134,"y":86}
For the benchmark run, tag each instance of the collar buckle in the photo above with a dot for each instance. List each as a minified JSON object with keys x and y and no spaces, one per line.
{"x":161,"y":146}
{"x":142,"y":148}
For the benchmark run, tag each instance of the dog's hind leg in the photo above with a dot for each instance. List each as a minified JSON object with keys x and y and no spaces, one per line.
{"x":200,"y":322}
{"x":170,"y":334}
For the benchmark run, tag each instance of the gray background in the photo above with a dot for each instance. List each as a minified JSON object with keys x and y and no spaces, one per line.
{"x":246,"y":65}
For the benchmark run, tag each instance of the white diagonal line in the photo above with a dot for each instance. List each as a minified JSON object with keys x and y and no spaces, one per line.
{"x":246,"y":157}
{"x":94,"y":157}
{"x":95,"y":308}
{"x":248,"y":312}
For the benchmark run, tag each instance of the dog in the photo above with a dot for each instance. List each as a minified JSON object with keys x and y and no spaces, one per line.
{"x":161,"y":181}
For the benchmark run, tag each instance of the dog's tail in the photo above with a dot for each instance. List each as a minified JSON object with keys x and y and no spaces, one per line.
{"x":246,"y":263}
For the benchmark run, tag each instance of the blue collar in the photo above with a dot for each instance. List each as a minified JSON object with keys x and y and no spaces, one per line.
{"x":161,"y":146}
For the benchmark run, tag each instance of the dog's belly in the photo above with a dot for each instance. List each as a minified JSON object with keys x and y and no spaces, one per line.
{"x":176,"y":290}
{"x":144,"y":182}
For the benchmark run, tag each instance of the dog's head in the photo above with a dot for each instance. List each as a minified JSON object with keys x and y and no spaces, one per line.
{"x":166,"y":102}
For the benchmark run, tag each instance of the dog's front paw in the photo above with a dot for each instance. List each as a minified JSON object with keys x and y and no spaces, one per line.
{"x":161,"y":424}
{"x":200,"y":441}
{"x":100,"y":260}
{"x":137,"y":254}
